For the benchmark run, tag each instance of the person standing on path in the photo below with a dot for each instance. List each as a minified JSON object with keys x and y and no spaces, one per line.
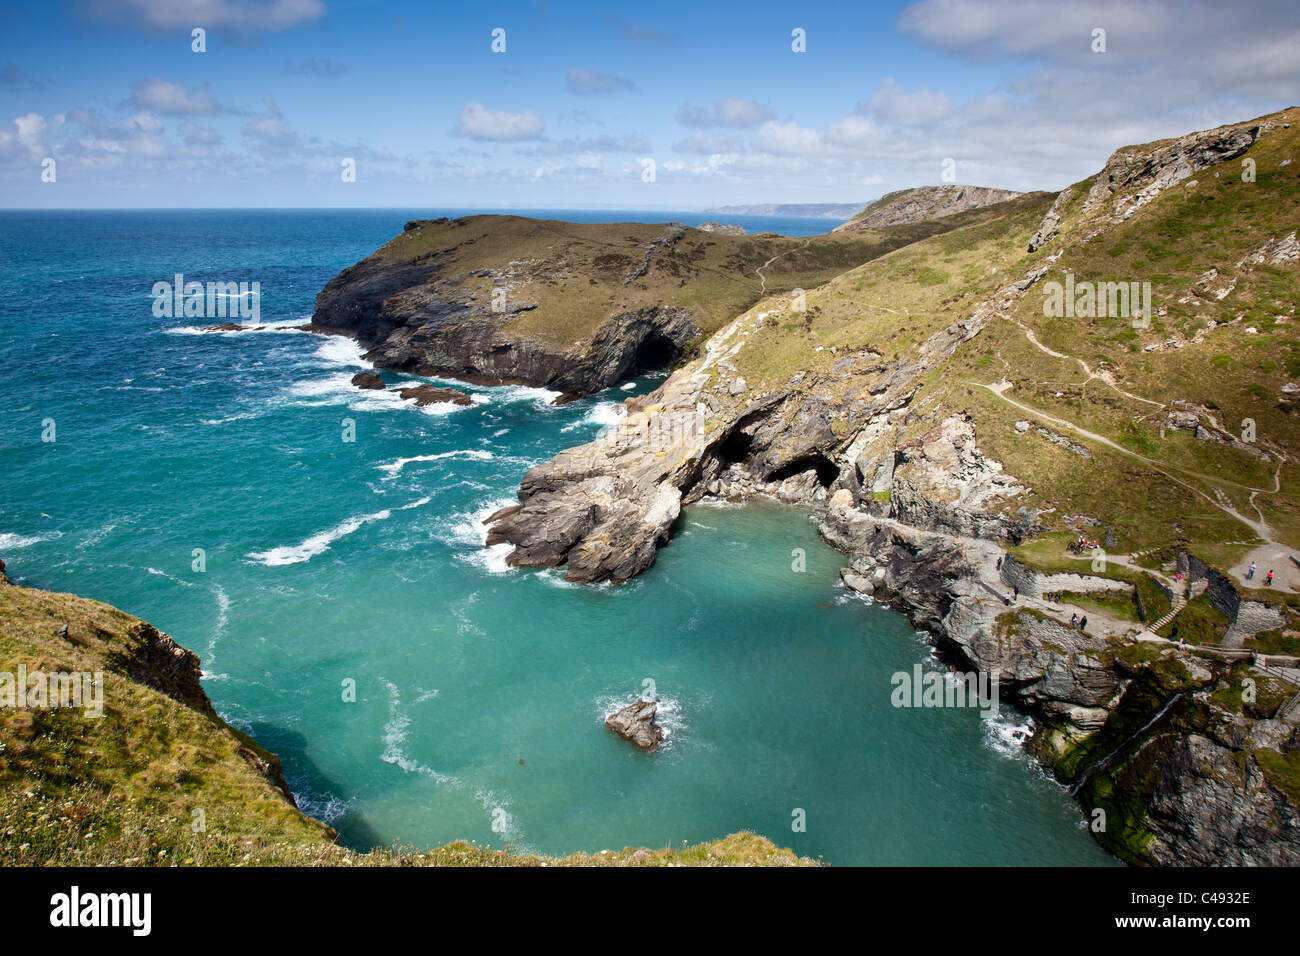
{"x":1074,"y":619}
{"x":1083,"y":623}
{"x":1268,"y":581}
{"x":1250,"y":572}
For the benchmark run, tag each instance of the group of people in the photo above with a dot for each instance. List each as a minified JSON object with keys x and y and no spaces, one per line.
{"x":1250,"y":574}
{"x":1080,"y":622}
{"x":1082,"y":544}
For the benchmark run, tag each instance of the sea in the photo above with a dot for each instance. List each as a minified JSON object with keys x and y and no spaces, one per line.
{"x":321,"y":548}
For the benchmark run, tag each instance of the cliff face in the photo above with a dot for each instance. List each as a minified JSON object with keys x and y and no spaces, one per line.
{"x":416,"y":317}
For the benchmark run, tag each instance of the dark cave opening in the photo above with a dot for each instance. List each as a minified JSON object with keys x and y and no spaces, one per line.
{"x":656,"y":353}
{"x":826,"y":470}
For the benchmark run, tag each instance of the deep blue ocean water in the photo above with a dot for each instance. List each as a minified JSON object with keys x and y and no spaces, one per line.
{"x":480,"y":690}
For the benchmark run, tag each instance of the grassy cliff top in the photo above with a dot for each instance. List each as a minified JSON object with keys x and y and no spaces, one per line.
{"x":574,"y":276}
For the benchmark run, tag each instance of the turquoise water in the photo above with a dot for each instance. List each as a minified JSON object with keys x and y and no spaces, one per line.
{"x":480,"y":690}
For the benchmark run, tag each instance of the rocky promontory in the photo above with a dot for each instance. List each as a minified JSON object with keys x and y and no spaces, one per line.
{"x":573,"y":307}
{"x":952,"y":440}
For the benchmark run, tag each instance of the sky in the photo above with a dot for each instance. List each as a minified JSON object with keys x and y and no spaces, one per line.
{"x":554,"y":105}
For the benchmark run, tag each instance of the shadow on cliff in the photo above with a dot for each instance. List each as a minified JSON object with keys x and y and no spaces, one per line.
{"x":318,"y":795}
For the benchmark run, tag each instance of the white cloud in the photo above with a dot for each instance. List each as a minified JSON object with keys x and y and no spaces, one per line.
{"x":478,"y":122}
{"x":706,"y":144}
{"x":238,"y":16}
{"x":787,"y":139}
{"x":735,"y":111}
{"x":170,"y":99}
{"x":25,"y":135}
{"x":593,"y":81}
{"x":890,"y":104}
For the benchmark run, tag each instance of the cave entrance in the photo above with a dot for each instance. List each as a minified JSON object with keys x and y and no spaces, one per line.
{"x":823,"y":466}
{"x":655,"y":353}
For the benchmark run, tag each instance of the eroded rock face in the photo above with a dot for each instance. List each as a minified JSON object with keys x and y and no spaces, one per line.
{"x":603,"y":509}
{"x":1132,"y":178}
{"x":636,"y":722}
{"x":1212,"y":808}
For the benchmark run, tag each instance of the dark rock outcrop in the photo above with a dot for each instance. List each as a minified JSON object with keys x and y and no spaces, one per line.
{"x":636,"y":722}
{"x":432,"y":395}
{"x":369,"y":379}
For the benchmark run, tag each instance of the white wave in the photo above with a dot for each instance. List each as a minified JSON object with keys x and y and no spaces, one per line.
{"x":12,"y":542}
{"x":326,"y":808}
{"x":170,"y":577}
{"x":503,"y":822}
{"x":320,"y":542}
{"x":239,"y":417}
{"x":556,"y":579}
{"x":394,"y":468}
{"x":340,"y":350}
{"x":470,"y":528}
{"x":394,"y":739}
{"x":96,"y":536}
{"x":337,"y":389}
{"x":604,"y":414}
{"x":223,"y":619}
{"x":280,"y":325}
{"x":849,"y":596}
{"x":518,"y":393}
{"x":1005,"y":733}
{"x":628,"y":386}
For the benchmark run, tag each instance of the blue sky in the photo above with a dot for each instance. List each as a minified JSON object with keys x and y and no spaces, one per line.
{"x":586,"y":95}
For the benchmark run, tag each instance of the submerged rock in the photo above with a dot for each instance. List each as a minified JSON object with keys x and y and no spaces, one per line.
{"x":432,"y":394}
{"x":636,"y":722}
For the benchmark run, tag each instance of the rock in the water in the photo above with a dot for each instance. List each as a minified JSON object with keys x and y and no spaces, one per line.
{"x":368,"y":379}
{"x":636,"y":722}
{"x":432,"y":394}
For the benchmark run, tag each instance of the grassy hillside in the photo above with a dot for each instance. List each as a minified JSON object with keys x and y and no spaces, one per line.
{"x":577,"y":274}
{"x":1225,"y":357}
{"x":160,"y":779}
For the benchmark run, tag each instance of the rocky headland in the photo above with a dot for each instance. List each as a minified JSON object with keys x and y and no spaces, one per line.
{"x":922,"y":203}
{"x":951,"y":440}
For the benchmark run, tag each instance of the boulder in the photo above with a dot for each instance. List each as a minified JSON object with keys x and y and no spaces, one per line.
{"x":368,"y":379}
{"x":636,"y":722}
